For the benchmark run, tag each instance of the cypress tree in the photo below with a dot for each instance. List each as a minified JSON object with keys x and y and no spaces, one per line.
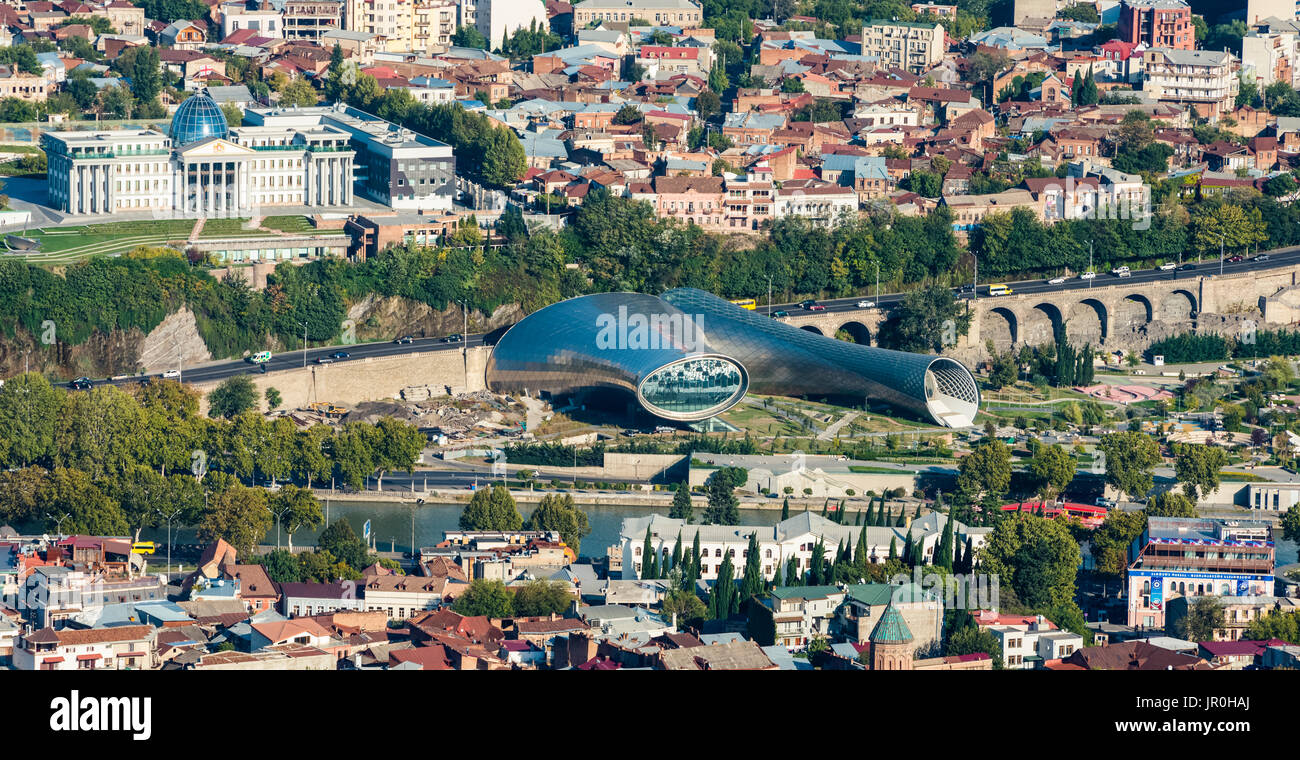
{"x":777,"y":581}
{"x":860,"y":554}
{"x":697,"y":570}
{"x":681,"y":509}
{"x":753,"y":582}
{"x":859,"y":520}
{"x":917,"y":516}
{"x":943,"y":556}
{"x":871,"y":512}
{"x":825,"y":504}
{"x":969,"y":562}
{"x":647,"y":571}
{"x":792,"y":575}
{"x":901,"y":522}
{"x":724,"y":590}
{"x":907,"y":549}
{"x":677,"y":552}
{"x":893,"y":547}
{"x":785,"y":509}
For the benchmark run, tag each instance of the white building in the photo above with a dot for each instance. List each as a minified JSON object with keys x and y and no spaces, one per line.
{"x":1028,"y":640}
{"x":498,"y":19}
{"x":903,"y":45}
{"x":1202,"y":79}
{"x":281,"y":157}
{"x":822,"y":205}
{"x":266,"y":22}
{"x":796,"y":537}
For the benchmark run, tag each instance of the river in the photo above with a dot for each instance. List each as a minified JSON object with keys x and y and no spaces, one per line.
{"x":391,"y":524}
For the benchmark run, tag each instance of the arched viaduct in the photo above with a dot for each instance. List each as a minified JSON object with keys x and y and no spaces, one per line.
{"x":1115,"y":314}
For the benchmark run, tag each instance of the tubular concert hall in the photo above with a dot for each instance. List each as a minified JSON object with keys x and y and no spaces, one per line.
{"x":688,"y":356}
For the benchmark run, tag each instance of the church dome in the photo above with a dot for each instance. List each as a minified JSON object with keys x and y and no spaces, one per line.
{"x":198,"y":118}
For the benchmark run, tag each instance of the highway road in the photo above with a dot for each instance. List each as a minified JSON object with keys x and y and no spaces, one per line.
{"x":215,"y":371}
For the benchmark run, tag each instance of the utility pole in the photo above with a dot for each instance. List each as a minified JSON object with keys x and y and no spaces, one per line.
{"x":975,"y":294}
{"x":180,"y":378}
{"x":169,"y":517}
{"x":464,"y":341}
{"x":1221,"y":238}
{"x":769,"y":296}
{"x":877,"y":284}
{"x":414,"y":556}
{"x":304,"y":345}
{"x":1090,"y":269}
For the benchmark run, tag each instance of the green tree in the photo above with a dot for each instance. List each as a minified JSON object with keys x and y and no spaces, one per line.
{"x":1204,"y":617}
{"x":1170,"y":504}
{"x":297,"y":509}
{"x":928,"y":319}
{"x":984,"y":475}
{"x":558,"y":512}
{"x":234,"y":396}
{"x":299,"y":93}
{"x":489,"y":598}
{"x":1197,"y":467}
{"x":237,"y":514}
{"x":540,"y":598}
{"x":975,"y":640}
{"x":1111,"y":540}
{"x":342,"y":542}
{"x":1037,"y":558}
{"x":724,"y":599}
{"x":724,"y":507}
{"x":681,"y":508}
{"x":685,"y":605}
{"x":1052,"y":468}
{"x":28,"y":408}
{"x":281,"y":566}
{"x":83,"y":508}
{"x":1131,"y":459}
{"x":491,"y":508}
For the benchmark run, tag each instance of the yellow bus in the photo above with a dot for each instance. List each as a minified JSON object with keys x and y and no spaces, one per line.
{"x":746,"y":303}
{"x":999,"y":290}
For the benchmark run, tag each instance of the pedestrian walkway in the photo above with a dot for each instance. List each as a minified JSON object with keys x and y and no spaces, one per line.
{"x":835,"y":427}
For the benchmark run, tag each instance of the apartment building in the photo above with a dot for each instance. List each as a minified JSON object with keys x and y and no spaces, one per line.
{"x":1192,"y":557}
{"x":658,"y":12}
{"x":389,"y":20}
{"x":498,"y":19}
{"x":309,"y":19}
{"x":1202,"y":79}
{"x":1269,"y":51}
{"x":267,"y":22}
{"x":1028,"y":640}
{"x":898,"y":44}
{"x":434,"y":23}
{"x":1157,"y":23}
{"x":800,"y":614}
{"x":1238,"y":613}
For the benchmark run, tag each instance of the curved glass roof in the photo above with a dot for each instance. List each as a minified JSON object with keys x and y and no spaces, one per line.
{"x":198,"y":118}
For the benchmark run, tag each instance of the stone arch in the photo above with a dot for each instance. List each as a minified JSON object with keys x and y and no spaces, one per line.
{"x":1041,"y":324}
{"x":1180,"y":305}
{"x":858,"y":331}
{"x":1086,"y":322}
{"x":1000,"y":325}
{"x":1133,"y":311}
{"x":812,"y":329}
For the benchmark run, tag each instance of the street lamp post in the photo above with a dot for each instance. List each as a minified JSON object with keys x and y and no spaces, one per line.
{"x":1094,"y":274}
{"x":169,"y":518}
{"x":1221,"y":239}
{"x":58,"y":522}
{"x":418,"y":503}
{"x":877,"y":284}
{"x":304,"y":345}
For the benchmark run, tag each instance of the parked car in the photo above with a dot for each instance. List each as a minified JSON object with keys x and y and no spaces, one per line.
{"x":404,"y":339}
{"x":1056,"y":281}
{"x":866,"y":304}
{"x":172,"y":373}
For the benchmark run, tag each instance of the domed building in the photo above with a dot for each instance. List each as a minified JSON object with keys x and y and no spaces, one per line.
{"x":279,"y":157}
{"x":198,"y":118}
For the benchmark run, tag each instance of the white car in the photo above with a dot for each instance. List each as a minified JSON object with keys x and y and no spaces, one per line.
{"x":1088,"y":275}
{"x":172,"y":373}
{"x":866,"y":304}
{"x":1056,"y":281}
{"x":1120,"y":271}
{"x":1170,"y":265}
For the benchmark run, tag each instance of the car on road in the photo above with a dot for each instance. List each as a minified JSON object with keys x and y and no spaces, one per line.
{"x":454,"y":338}
{"x":1107,"y":503}
{"x":866,"y":304}
{"x":1056,"y":281}
{"x":1168,"y":266}
{"x":1235,"y":259}
{"x":261,"y":357}
{"x":340,"y":355}
{"x":172,"y":373}
{"x":1261,"y":257}
{"x":1121,"y":271}
{"x":404,"y":339}
{"x":1088,"y":276}
{"x":324,"y":360}
{"x":967,"y":288}
{"x":780,"y":313}
{"x":80,"y":384}
{"x":807,"y":303}
{"x":1188,"y":267}
{"x":664,"y":429}
{"x":816,"y":307}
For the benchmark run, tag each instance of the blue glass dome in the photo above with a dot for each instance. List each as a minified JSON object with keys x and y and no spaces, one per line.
{"x":198,"y":118}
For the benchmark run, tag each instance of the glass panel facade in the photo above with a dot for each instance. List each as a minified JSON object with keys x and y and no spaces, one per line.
{"x":692,"y":385}
{"x":198,"y":118}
